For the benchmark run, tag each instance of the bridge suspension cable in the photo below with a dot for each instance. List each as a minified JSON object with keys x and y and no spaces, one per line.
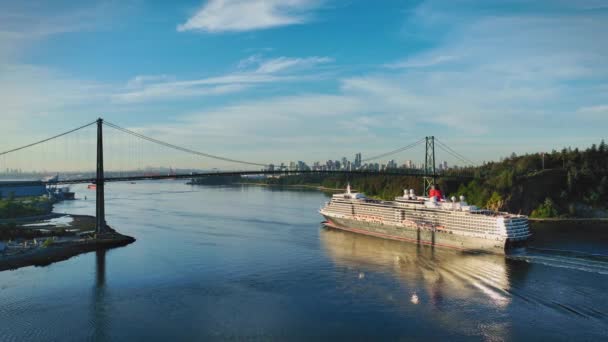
{"x":453,"y":153}
{"x":179,"y":148}
{"x":47,"y":139}
{"x":401,"y":149}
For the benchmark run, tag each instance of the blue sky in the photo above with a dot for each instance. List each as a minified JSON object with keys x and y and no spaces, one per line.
{"x":281,"y":80}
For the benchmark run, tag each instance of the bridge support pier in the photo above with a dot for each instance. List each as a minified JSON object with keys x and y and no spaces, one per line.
{"x":100,"y":215}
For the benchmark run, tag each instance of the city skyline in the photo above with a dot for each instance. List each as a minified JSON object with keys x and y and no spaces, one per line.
{"x":347,"y":165}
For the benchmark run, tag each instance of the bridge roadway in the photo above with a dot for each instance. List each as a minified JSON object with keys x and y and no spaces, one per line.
{"x":248,"y":173}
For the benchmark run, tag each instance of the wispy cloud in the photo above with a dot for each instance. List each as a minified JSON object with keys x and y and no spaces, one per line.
{"x":486,"y":77}
{"x":24,"y":23}
{"x":284,"y":63}
{"x":31,"y":95}
{"x":34,"y":93}
{"x":599,"y":112}
{"x":484,"y":86}
{"x":254,"y":70}
{"x":421,"y":62}
{"x":245,"y":15}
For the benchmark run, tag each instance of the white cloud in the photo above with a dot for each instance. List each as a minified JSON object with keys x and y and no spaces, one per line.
{"x":483,"y":87}
{"x":249,"y":61}
{"x":262,"y":71}
{"x":23,"y":23}
{"x":421,"y":62}
{"x":490,"y":83}
{"x":39,"y":100}
{"x":284,"y":63}
{"x":35,"y":95}
{"x":174,"y":90}
{"x":141,"y":80}
{"x":245,"y":15}
{"x":599,"y":112}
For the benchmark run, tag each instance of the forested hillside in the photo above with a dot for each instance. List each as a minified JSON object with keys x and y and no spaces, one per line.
{"x":572,"y":183}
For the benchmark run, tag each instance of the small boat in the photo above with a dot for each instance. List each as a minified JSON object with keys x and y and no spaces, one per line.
{"x":65,"y":193}
{"x":92,"y":186}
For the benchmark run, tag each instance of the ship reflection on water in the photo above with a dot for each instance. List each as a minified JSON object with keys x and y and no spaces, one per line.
{"x":435,"y":281}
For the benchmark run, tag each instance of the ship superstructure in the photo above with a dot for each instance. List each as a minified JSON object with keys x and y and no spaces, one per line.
{"x":426,"y":220}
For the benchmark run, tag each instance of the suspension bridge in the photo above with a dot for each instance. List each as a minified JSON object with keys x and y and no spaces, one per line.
{"x":132,"y":152}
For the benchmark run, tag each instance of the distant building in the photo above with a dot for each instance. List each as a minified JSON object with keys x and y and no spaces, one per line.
{"x":392,"y":164}
{"x":358,"y":160}
{"x":302,"y":166}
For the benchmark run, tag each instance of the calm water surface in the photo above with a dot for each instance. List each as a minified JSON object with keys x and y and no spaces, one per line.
{"x":254,"y":263}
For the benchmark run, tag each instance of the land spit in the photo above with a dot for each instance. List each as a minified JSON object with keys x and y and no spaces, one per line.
{"x":57,"y":241}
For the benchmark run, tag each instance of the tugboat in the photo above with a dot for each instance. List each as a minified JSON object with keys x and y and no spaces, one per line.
{"x":65,"y":193}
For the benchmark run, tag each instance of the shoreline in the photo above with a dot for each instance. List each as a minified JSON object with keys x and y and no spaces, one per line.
{"x":570,"y":220}
{"x":294,"y":186}
{"x":26,"y":219}
{"x":578,"y":220}
{"x":60,"y":248}
{"x":556,"y":220}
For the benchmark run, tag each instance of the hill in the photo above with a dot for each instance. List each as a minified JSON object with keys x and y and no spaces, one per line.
{"x":566,"y":183}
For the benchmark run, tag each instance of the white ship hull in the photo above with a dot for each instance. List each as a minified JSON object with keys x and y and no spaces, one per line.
{"x":426,"y":221}
{"x":430,"y":237}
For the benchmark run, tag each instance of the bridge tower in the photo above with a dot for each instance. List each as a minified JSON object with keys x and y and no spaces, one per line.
{"x":100,"y":215}
{"x":429,"y":164}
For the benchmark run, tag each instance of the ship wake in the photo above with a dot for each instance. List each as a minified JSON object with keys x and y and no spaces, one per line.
{"x":574,"y":260}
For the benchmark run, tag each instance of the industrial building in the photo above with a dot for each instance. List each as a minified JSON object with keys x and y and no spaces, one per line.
{"x":21,"y":188}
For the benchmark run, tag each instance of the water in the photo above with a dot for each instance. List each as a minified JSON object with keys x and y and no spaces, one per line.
{"x":254,"y":263}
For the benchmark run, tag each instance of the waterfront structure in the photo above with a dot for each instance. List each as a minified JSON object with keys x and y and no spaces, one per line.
{"x":425,"y":220}
{"x":22,"y":188}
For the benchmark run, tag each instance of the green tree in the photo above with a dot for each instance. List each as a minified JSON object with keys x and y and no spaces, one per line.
{"x":496,"y":202}
{"x":545,"y":210}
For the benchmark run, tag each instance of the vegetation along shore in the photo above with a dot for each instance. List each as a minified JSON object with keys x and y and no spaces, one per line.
{"x":567,"y":184}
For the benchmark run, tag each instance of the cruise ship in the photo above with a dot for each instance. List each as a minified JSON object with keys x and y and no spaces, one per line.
{"x":425,"y":220}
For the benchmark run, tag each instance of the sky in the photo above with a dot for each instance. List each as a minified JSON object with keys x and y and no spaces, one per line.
{"x":282,"y":80}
